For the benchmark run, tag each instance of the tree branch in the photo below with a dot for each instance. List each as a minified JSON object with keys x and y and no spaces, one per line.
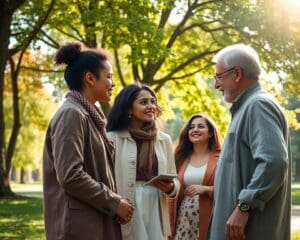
{"x":69,"y":35}
{"x":119,"y":68}
{"x":16,"y":111}
{"x":160,"y":83}
{"x":164,"y":17}
{"x":52,"y":43}
{"x":41,"y":70}
{"x":25,"y":43}
{"x":77,"y":32}
{"x":152,"y":68}
{"x":135,"y":72}
{"x":183,"y":65}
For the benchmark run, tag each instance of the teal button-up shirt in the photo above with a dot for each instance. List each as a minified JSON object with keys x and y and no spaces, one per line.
{"x":254,"y":168}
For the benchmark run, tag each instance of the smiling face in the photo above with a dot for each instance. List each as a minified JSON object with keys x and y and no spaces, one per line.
{"x":104,"y":84}
{"x":143,"y":108}
{"x":226,"y":83}
{"x":198,"y":131}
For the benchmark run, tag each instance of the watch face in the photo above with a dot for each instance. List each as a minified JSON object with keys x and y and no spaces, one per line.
{"x":244,"y":207}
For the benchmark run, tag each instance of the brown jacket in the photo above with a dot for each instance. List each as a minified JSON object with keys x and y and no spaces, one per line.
{"x":79,"y":198}
{"x":205,"y":201}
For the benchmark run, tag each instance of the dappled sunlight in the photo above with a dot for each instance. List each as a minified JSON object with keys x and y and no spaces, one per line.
{"x":292,"y":7}
{"x":21,"y":219}
{"x":288,"y":9}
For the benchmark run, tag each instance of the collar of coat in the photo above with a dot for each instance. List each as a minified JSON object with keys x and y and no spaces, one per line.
{"x":77,"y":104}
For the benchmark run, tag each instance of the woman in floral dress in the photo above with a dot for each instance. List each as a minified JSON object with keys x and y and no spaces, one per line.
{"x":196,"y":156}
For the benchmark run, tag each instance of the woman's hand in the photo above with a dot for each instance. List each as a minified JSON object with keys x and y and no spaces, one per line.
{"x":124,"y":211}
{"x":193,"y":190}
{"x":165,"y":186}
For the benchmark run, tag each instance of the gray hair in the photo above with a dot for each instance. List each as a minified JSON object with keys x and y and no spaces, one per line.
{"x":240,"y":55}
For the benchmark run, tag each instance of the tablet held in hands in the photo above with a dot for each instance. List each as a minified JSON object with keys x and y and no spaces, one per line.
{"x":168,"y":177}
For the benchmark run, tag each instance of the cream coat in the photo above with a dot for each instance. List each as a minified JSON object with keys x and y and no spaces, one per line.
{"x":125,"y":171}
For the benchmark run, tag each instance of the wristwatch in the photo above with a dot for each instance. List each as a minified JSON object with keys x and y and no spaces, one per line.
{"x":244,"y":207}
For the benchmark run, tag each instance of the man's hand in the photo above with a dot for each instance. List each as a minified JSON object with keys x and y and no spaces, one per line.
{"x":124,"y":211}
{"x":235,"y":226}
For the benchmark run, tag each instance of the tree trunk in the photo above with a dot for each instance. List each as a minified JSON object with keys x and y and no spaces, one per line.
{"x":16,"y":123}
{"x":22,"y":175}
{"x":5,"y":22}
{"x":7,"y":9}
{"x":13,"y":175}
{"x":5,"y":190}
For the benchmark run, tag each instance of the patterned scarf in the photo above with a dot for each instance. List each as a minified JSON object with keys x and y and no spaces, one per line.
{"x":147,"y":153}
{"x":97,"y":117}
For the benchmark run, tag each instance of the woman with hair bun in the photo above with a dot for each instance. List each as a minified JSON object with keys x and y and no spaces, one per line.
{"x":79,"y":187}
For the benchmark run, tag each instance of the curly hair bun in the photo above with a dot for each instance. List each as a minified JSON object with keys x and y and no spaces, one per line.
{"x":67,"y":53}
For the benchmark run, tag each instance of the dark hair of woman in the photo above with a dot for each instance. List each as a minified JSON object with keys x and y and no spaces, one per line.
{"x":184,"y":147}
{"x":79,"y":62}
{"x":118,"y":118}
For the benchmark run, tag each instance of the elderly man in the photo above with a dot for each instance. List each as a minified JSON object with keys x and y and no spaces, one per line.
{"x":252,"y":183}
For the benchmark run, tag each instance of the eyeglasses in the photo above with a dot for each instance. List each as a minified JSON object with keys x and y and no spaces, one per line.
{"x":219,"y":75}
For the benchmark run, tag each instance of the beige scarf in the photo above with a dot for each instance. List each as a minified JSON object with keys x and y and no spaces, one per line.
{"x":147,"y":134}
{"x":97,"y":117}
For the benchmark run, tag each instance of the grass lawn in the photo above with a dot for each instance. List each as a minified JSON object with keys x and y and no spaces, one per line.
{"x":22,"y":219}
{"x":296,"y":194}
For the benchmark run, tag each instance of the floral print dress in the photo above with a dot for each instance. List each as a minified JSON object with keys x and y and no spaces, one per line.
{"x":187,"y":224}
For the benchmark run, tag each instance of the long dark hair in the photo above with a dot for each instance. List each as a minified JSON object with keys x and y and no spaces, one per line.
{"x":184,"y":147}
{"x":80,"y":61}
{"x":118,"y":118}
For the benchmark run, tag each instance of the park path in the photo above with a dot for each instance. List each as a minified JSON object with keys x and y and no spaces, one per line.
{"x":296,"y":218}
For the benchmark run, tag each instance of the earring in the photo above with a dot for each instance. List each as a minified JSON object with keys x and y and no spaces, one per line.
{"x":129,"y":115}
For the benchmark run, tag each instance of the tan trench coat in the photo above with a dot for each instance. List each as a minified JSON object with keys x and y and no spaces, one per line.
{"x":79,"y":198}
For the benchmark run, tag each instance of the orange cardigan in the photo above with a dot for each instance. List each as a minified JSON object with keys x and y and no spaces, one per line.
{"x":205,"y":201}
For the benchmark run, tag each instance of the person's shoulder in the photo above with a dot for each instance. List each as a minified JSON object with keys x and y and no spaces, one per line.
{"x":261,"y":95}
{"x":69,"y":116}
{"x":119,"y":133}
{"x":72,"y":107}
{"x":263,"y":98}
{"x":163,"y":136}
{"x":263,"y":105}
{"x":68,"y":110}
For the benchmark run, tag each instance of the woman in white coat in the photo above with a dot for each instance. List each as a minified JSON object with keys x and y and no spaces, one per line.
{"x":142,"y":152}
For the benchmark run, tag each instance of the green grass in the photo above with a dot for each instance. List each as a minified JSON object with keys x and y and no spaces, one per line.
{"x":296,"y":194}
{"x":22,"y":219}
